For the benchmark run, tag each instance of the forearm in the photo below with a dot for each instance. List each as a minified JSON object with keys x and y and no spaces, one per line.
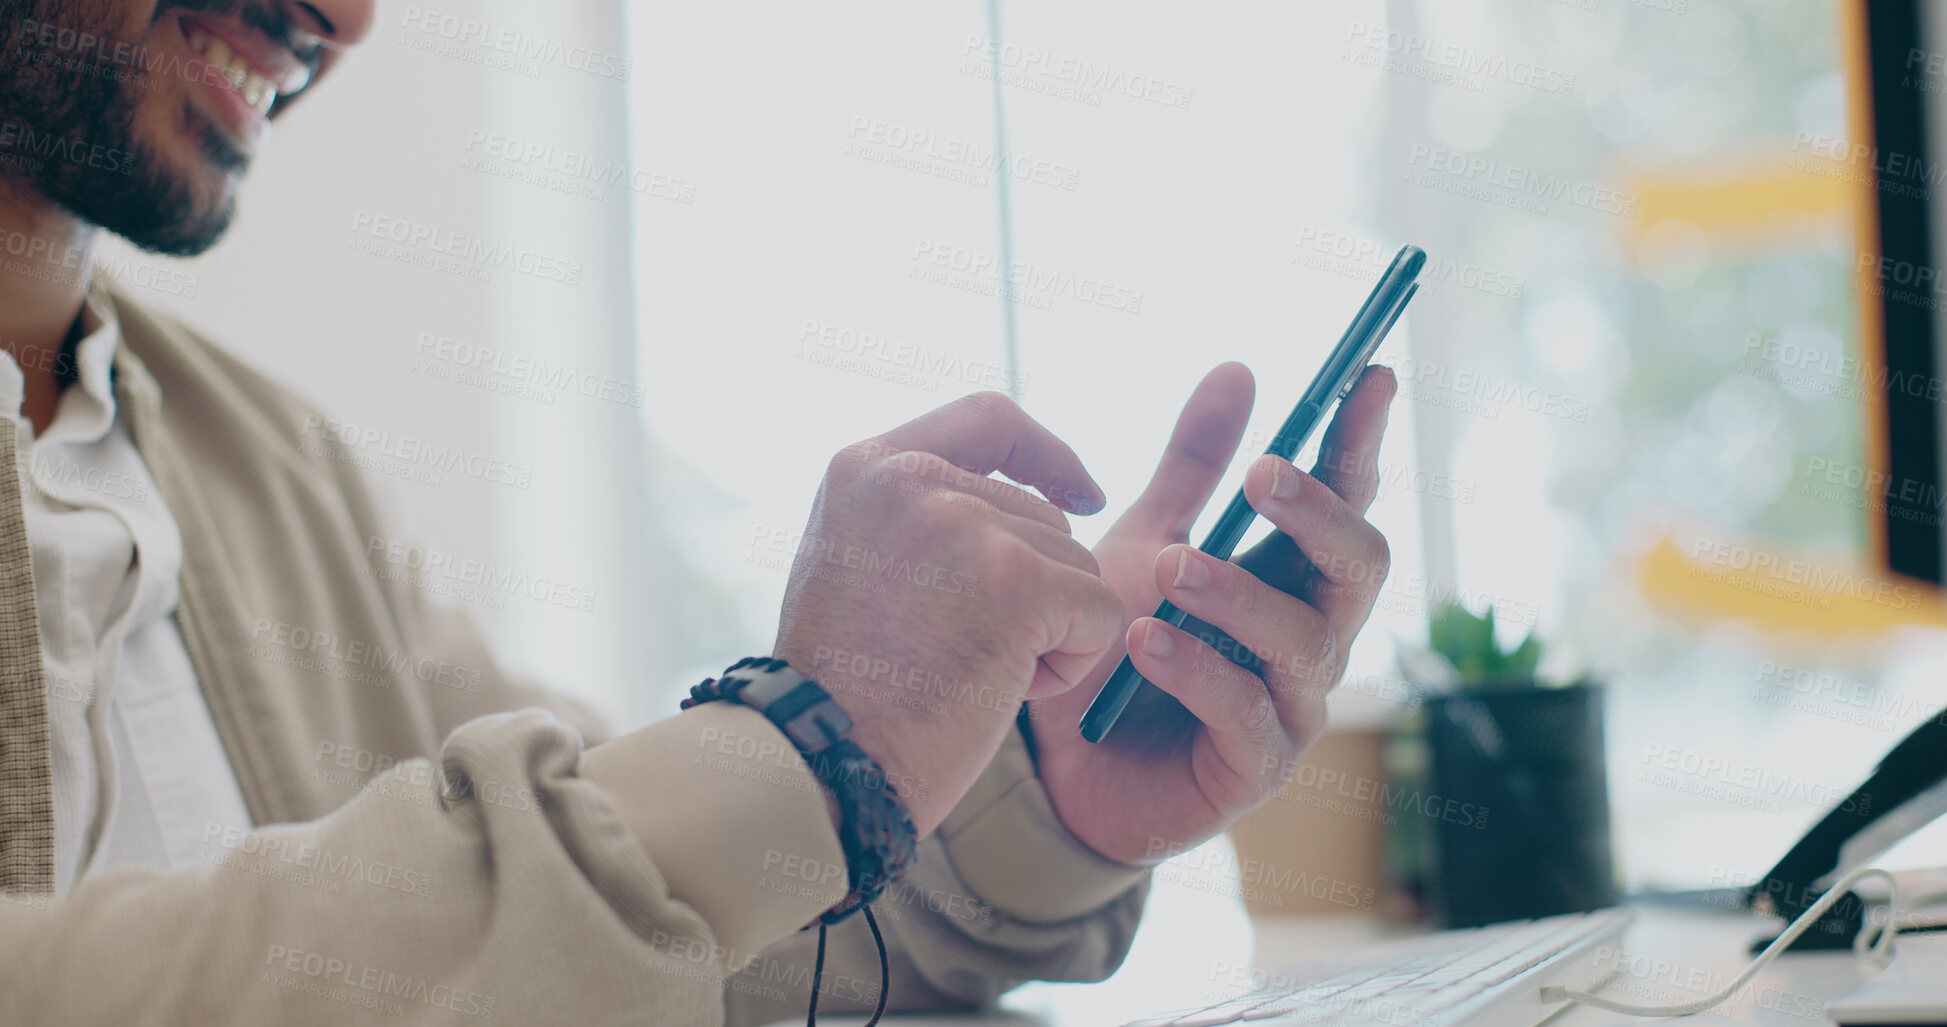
{"x":1002,"y":894}
{"x":501,"y":885}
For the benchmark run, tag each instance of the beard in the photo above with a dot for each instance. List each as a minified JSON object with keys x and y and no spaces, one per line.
{"x":83,"y":98}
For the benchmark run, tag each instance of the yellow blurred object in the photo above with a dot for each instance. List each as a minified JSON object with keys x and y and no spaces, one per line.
{"x":1791,"y":189}
{"x":1779,"y":590}
{"x":1779,"y":196}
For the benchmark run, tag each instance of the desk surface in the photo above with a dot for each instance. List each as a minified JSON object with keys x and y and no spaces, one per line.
{"x":1671,"y":956}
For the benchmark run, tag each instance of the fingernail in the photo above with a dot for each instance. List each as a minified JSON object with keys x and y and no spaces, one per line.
{"x":1157,"y":641}
{"x":1284,"y":486}
{"x":1190,"y":571}
{"x":1091,"y":501}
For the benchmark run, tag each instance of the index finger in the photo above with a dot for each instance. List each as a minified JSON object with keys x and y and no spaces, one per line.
{"x":986,"y":432}
{"x":1199,"y":451}
{"x":1348,"y":459}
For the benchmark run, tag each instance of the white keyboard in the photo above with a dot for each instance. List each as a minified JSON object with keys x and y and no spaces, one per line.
{"x":1482,"y":975}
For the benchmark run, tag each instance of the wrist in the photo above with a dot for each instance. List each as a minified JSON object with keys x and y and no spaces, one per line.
{"x":1012,"y":851}
{"x":715,"y":796}
{"x":884,"y":729}
{"x":874,"y":828}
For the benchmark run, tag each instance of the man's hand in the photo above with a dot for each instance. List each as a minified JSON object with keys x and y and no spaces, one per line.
{"x":931,"y":600}
{"x":1214,"y":739}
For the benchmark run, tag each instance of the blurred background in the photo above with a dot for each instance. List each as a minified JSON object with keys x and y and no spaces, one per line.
{"x":716,"y":243}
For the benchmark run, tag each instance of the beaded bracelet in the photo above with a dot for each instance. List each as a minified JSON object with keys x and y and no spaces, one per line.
{"x":874,"y":829}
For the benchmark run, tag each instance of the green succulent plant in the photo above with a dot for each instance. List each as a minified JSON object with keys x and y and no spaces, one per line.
{"x":1467,"y":641}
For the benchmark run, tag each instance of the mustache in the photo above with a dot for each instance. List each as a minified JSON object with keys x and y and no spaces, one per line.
{"x":274,"y":22}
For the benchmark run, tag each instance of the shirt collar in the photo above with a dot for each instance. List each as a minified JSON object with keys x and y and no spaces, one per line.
{"x":87,"y":408}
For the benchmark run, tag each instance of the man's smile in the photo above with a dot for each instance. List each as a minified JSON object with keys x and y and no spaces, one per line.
{"x":231,"y":65}
{"x":246,"y":71}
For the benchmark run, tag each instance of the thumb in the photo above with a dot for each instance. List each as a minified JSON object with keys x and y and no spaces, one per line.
{"x":1200,"y":448}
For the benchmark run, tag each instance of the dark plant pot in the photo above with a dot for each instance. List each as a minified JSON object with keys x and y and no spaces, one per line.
{"x":1519,"y":801}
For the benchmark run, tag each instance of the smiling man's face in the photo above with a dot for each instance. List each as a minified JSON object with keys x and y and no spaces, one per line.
{"x":141,"y":115}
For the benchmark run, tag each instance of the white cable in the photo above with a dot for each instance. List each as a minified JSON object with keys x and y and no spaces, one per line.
{"x":1881,"y":948}
{"x":1913,"y":905}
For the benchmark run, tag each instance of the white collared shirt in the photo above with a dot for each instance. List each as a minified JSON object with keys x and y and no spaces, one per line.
{"x":140,"y":775}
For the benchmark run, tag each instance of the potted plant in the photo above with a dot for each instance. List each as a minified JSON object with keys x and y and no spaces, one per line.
{"x":1515,"y":808}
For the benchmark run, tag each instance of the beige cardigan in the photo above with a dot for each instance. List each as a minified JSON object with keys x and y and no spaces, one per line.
{"x":436,"y":857}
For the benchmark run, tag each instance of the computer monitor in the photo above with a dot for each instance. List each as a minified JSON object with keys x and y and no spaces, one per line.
{"x":1898,"y":100}
{"x":1902,"y":302}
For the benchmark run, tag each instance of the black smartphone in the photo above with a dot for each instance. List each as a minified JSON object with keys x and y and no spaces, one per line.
{"x":1333,"y":382}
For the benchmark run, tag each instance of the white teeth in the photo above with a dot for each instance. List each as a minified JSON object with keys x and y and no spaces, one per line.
{"x":256,"y":90}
